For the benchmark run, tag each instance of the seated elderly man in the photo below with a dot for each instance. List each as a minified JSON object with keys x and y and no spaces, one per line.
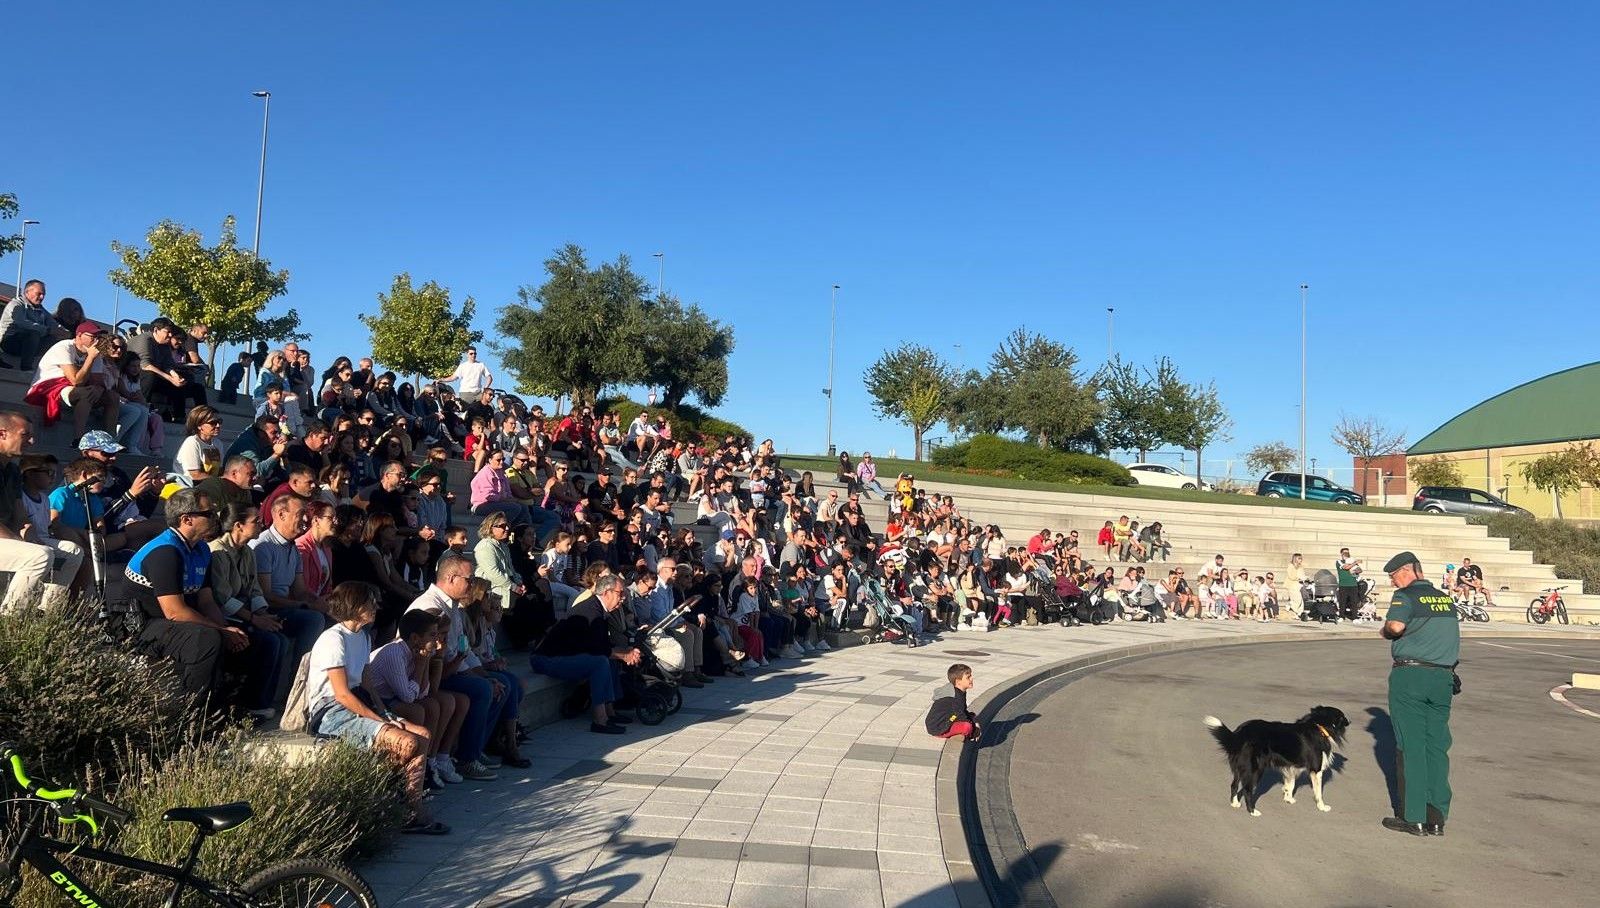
{"x":579,"y":648}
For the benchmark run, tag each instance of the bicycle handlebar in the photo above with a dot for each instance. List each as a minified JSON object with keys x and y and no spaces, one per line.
{"x":65,"y":800}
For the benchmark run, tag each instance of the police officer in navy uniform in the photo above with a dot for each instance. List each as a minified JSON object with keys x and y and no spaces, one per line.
{"x":1426,"y":646}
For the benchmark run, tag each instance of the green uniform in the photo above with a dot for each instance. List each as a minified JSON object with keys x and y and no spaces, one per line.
{"x":1419,"y":698}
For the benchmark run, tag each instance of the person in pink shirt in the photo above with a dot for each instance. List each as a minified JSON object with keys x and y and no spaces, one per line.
{"x":491,"y":492}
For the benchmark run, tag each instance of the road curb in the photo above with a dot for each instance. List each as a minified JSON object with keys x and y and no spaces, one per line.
{"x":969,"y":835}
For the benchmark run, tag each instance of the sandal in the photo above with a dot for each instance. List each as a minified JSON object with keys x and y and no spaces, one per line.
{"x":421,"y":827}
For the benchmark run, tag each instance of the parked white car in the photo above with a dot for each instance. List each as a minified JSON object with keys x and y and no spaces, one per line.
{"x":1159,"y":474}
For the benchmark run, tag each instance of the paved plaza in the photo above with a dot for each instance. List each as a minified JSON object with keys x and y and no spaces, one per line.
{"x":811,"y":785}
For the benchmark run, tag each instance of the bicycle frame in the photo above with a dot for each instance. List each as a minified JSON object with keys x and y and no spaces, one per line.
{"x":39,"y":852}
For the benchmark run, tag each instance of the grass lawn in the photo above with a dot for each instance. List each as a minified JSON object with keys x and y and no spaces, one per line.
{"x":823,"y":468}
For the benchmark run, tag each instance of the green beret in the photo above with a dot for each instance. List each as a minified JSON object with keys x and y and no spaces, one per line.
{"x":1399,"y":561}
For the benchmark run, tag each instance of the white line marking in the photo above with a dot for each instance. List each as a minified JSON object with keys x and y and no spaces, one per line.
{"x":1536,"y":652}
{"x":1558,"y":694}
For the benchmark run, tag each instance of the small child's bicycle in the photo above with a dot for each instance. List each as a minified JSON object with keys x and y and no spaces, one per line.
{"x":304,"y":883}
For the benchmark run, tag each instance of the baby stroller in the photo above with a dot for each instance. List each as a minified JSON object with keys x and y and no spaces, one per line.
{"x":893,"y":622}
{"x":651,"y":687}
{"x":1319,"y":598}
{"x":1101,"y":606}
{"x":1143,"y":605}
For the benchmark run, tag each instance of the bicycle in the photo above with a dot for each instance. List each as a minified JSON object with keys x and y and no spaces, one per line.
{"x":306,"y":882}
{"x":1548,"y":606}
{"x":1471,"y":606}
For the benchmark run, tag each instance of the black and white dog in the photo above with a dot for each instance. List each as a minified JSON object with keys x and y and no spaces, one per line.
{"x":1259,"y":745}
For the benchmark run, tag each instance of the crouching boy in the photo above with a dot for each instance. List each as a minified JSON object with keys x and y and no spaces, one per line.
{"x":949,"y":716}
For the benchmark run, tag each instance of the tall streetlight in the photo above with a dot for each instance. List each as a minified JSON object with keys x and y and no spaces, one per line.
{"x":833,"y":308}
{"x":21,"y":253}
{"x":1110,"y":315}
{"x":261,"y":177}
{"x":1303,"y":479}
{"x":661,"y":271}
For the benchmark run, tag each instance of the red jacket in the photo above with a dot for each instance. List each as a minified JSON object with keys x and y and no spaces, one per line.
{"x":47,"y":394}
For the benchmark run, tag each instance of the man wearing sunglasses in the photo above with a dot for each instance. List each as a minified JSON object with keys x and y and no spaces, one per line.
{"x":168,"y":579}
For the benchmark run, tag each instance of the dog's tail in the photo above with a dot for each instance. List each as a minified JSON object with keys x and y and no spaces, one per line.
{"x":1221,"y":732}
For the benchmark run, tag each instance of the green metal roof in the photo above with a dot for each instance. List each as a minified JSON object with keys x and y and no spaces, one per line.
{"x":1558,"y":407}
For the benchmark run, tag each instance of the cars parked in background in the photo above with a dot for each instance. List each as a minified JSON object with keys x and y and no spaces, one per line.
{"x":1463,"y":501}
{"x":1287,"y":485}
{"x":1159,"y":474}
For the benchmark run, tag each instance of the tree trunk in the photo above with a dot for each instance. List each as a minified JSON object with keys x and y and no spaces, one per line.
{"x":1555,"y":501}
{"x":1198,"y":482}
{"x":211,"y":361}
{"x":1144,"y":455}
{"x":916,"y":443}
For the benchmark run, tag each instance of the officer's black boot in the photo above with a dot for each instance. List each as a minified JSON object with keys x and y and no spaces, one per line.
{"x":1399,"y":825}
{"x":1433,"y":828}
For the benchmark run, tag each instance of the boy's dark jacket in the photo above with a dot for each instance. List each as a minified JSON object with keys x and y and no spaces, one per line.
{"x":949,"y":707}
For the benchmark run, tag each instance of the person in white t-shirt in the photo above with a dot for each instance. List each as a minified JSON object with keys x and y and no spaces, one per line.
{"x":70,"y":371}
{"x":340,"y":706}
{"x":199,"y":457}
{"x":473,"y":375}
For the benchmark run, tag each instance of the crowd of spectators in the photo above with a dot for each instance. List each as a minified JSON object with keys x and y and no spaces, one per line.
{"x":326,"y":538}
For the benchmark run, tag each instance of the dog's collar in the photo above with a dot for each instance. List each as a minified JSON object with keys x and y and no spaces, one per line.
{"x":1324,"y":732}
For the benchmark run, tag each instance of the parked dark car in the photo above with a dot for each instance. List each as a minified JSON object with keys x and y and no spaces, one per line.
{"x":1466,"y":502}
{"x":1287,"y":485}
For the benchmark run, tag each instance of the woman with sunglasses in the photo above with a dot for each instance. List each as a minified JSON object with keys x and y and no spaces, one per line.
{"x":200,"y":456}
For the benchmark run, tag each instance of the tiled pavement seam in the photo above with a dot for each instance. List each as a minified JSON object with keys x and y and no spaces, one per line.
{"x":811,"y":785}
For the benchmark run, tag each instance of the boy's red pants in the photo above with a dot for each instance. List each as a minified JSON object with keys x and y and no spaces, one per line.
{"x":958,"y":730}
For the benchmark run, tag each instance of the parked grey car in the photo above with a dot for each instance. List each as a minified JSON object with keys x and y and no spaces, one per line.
{"x":1466,"y":502}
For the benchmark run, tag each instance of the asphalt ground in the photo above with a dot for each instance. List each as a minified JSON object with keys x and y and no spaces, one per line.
{"x":1121,"y":795}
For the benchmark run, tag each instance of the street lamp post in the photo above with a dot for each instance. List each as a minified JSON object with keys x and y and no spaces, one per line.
{"x":661,"y":271}
{"x":21,"y":253}
{"x":1110,"y":315}
{"x":1303,"y":479}
{"x":833,"y":308}
{"x":261,"y":177}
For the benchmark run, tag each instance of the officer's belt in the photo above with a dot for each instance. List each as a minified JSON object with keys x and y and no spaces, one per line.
{"x":1418,"y":663}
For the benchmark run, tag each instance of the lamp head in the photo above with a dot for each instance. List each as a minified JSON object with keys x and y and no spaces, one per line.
{"x":29,"y":222}
{"x":262,"y":94}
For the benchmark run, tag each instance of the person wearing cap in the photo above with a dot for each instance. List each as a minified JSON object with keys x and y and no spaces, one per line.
{"x":1426,"y":646}
{"x":71,"y":374}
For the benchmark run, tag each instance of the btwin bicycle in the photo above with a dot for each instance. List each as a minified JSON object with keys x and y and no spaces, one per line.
{"x":1548,"y":606}
{"x":304,"y":883}
{"x":1471,"y":606}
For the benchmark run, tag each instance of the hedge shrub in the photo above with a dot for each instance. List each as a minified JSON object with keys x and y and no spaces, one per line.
{"x":998,"y":456}
{"x":76,"y":704}
{"x":1572,"y":549}
{"x":688,"y":421}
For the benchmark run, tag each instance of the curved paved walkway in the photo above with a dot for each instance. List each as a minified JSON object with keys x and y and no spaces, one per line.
{"x":813,"y":785}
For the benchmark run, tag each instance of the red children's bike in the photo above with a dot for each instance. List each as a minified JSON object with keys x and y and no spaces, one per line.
{"x":1548,"y":606}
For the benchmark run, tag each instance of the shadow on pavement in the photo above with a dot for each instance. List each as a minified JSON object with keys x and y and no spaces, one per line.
{"x":998,"y":732}
{"x":1383,"y":752}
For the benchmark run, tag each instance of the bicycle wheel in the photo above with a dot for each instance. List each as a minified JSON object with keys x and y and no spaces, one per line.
{"x":309,"y":883}
{"x":1536,"y":613}
{"x":1561,"y":612}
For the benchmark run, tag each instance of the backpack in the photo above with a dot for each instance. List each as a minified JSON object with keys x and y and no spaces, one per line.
{"x":296,"y":711}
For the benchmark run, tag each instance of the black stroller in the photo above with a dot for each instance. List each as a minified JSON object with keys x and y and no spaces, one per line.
{"x":650,"y":688}
{"x":1319,"y":599}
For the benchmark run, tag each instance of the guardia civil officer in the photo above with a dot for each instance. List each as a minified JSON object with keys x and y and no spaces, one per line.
{"x":1427,"y":645}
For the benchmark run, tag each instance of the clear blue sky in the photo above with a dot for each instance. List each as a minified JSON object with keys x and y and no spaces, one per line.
{"x":1428,"y":168}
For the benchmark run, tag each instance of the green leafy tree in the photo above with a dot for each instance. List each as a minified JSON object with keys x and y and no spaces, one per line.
{"x":1563,"y":471}
{"x":222,"y":287}
{"x":416,"y":331}
{"x":1200,"y":420}
{"x":687,"y":352}
{"x":8,"y":210}
{"x":1271,"y":457}
{"x":1435,"y":471}
{"x":578,"y":332}
{"x":909,"y":385}
{"x":1130,"y":415}
{"x":1043,"y":395}
{"x":976,"y":405}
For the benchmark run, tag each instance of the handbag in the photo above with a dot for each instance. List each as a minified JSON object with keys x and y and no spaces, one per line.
{"x":296,"y":716}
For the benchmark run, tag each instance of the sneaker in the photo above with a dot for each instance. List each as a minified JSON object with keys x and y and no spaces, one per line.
{"x":749,"y":664}
{"x":489,"y":760}
{"x":792,"y":651}
{"x":764,"y":662}
{"x":690,"y":681}
{"x":599,"y":729}
{"x":822,"y":646}
{"x":431,"y":781}
{"x":477,"y":772}
{"x":446,"y":769}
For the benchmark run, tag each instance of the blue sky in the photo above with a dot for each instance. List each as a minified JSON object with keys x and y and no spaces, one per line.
{"x":1428,"y":168}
